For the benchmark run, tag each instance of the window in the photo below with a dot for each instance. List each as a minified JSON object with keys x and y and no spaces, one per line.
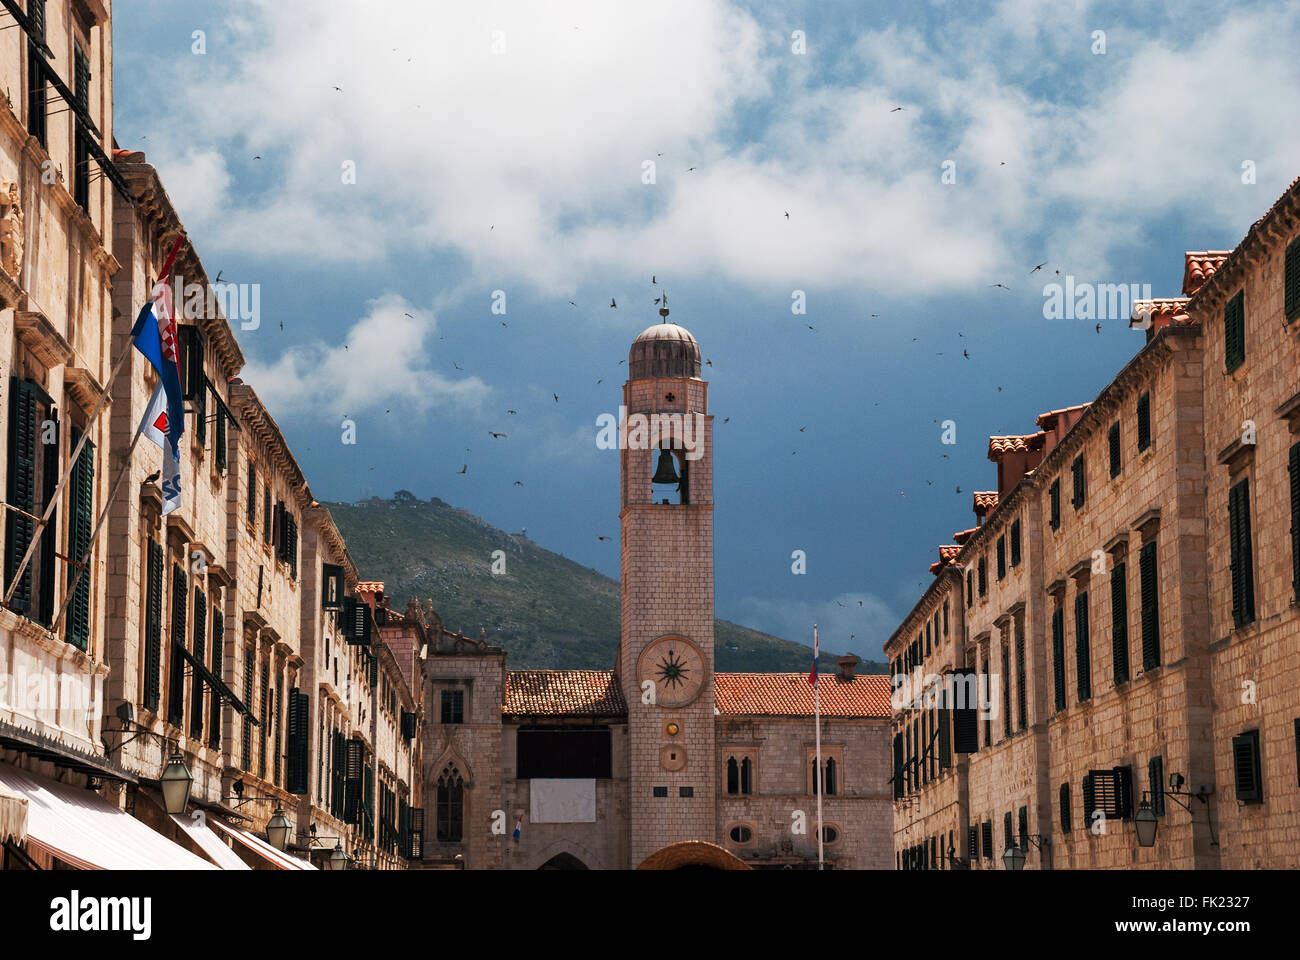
{"x":81,"y":509}
{"x":972,"y":843}
{"x":250,"y":674}
{"x":1295,"y":453}
{"x":927,"y":639}
{"x":1083,"y":666}
{"x":831,"y":766}
{"x":830,"y":835}
{"x":252,"y":496}
{"x":222,"y":452}
{"x":332,"y":587}
{"x":265,"y":702}
{"x":266,"y":513}
{"x":81,"y":146}
{"x":1058,"y":656}
{"x":1150,"y":606}
{"x":560,"y":753}
{"x":1246,"y":767}
{"x":1022,"y":817}
{"x":740,"y":775}
{"x":176,"y":688}
{"x":1006,"y":690}
{"x":1156,"y":784}
{"x":987,"y":836}
{"x":1291,"y":271}
{"x":966,"y":704}
{"x":1065,"y":807}
{"x":741,"y":834}
{"x":970,"y":593}
{"x":451,"y":804}
{"x":1115,"y":454}
{"x":1144,"y":421}
{"x":984,"y":577}
{"x":297,"y":748}
{"x":1119,"y":621}
{"x":1076,"y":476}
{"x":36,"y":67}
{"x":153,"y":625}
{"x":200,"y":650}
{"x":453,"y":706}
{"x":1002,"y":557}
{"x":1015,"y":542}
{"x":1241,"y":562}
{"x":1021,"y":693}
{"x":1008,"y":838}
{"x":33,"y":475}
{"x":1054,"y":498}
{"x":945,"y":738}
{"x":747,"y":776}
{"x":898,"y":766}
{"x":1294,"y":468}
{"x":1111,"y":793}
{"x":1234,"y":332}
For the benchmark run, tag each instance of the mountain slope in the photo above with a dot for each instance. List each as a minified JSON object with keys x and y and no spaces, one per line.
{"x":545,"y":610}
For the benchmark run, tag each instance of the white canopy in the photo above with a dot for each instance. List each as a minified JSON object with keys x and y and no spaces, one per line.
{"x":211,"y":844}
{"x":278,"y":859}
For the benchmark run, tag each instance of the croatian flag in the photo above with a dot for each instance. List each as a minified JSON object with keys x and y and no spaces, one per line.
{"x":812,"y":677}
{"x":519,"y":825}
{"x":154,"y":335}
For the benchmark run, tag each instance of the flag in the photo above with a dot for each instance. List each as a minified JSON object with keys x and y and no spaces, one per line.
{"x":154,"y":335}
{"x":519,"y":824}
{"x":812,"y":677}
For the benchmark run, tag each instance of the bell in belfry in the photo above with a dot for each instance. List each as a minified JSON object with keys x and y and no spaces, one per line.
{"x":665,"y":472}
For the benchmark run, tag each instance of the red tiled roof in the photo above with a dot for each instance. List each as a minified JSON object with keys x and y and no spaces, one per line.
{"x":1199,"y":267}
{"x":790,"y":695}
{"x":948,"y":552}
{"x":593,"y":693}
{"x":1048,"y":420}
{"x":961,"y":536}
{"x":1159,"y":311}
{"x":1001,"y":445}
{"x":985,"y":500}
{"x":370,"y":586}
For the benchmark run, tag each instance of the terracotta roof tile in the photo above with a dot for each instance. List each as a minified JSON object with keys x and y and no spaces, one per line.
{"x":985,"y":500}
{"x":948,"y":552}
{"x":961,"y":536}
{"x":1199,"y":267}
{"x":1001,"y":445}
{"x":593,"y":693}
{"x":790,"y":695}
{"x":1048,"y":420}
{"x":1160,"y":311}
{"x":370,"y":586}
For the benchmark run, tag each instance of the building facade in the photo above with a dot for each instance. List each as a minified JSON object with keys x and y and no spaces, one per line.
{"x":1130,"y":595}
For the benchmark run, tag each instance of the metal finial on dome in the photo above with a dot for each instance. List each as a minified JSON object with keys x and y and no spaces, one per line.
{"x":663,"y":311}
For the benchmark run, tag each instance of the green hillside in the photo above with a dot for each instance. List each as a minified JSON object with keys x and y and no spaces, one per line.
{"x":545,"y":610}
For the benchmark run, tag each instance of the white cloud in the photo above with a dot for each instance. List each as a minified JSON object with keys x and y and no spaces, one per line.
{"x":382,"y":359}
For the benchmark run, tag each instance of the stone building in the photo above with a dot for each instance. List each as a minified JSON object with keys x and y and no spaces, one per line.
{"x":661,"y":760}
{"x":1129,"y":592}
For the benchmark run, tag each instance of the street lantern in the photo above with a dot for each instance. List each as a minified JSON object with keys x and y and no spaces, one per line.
{"x":338,"y":859}
{"x":175,"y":781}
{"x":1014,"y":858}
{"x":1145,"y":823}
{"x":277,"y":829}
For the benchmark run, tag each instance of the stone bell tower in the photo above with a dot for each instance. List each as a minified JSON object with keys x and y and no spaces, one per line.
{"x":665,"y":660}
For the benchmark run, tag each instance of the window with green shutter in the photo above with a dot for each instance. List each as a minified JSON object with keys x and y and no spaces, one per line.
{"x":200,"y":649}
{"x":1119,"y":622}
{"x":1246,"y":767}
{"x":1291,"y":281}
{"x":1241,"y":562}
{"x":1015,"y":543}
{"x":1064,"y":795}
{"x":1116,"y":455}
{"x":1054,"y":500}
{"x":218,"y":655}
{"x":1082,"y":651}
{"x":983,"y":577}
{"x":972,"y":843}
{"x":1006,"y":690}
{"x":1058,"y":656}
{"x":299,"y":735}
{"x":1089,"y":804}
{"x":33,"y":475}
{"x":1144,"y":421}
{"x":1022,"y":815}
{"x":1156,"y":784}
{"x":1022,"y":698}
{"x":898,"y":767}
{"x":153,"y":619}
{"x":1002,"y":557}
{"x":966,"y":711}
{"x":1234,"y":332}
{"x":81,"y":519}
{"x":221,"y":452}
{"x":176,"y":682}
{"x":1077,"y":480}
{"x":1150,"y":606}
{"x":1294,"y":468}
{"x":970,"y":593}
{"x":945,"y":739}
{"x":278,"y":754}
{"x":1296,"y":722}
{"x":1008,"y":838}
{"x":987,"y":830}
{"x":37,"y":76}
{"x":250,"y":675}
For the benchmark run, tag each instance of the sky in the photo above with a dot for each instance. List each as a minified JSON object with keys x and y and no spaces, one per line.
{"x":845,"y":201}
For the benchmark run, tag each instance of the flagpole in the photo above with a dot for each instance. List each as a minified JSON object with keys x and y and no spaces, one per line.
{"x":104,"y":398}
{"x":821,"y":779}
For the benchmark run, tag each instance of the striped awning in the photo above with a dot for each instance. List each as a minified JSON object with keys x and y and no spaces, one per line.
{"x":212,"y":845}
{"x":276,"y":859}
{"x":13,"y":817}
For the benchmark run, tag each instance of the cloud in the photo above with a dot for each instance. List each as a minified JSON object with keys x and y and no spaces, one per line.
{"x":382,"y":359}
{"x":847,"y":628}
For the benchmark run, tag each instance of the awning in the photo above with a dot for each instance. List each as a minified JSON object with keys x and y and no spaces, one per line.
{"x":84,"y":830}
{"x":278,"y":860}
{"x":13,"y":818}
{"x":211,"y":844}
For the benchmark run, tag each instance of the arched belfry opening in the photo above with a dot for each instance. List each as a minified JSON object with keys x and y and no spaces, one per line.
{"x":671,"y":477}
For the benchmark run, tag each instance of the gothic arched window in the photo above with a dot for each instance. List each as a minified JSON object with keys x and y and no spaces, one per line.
{"x":747,"y":776}
{"x":830,"y":777}
{"x":451,"y":804}
{"x":733,"y":776}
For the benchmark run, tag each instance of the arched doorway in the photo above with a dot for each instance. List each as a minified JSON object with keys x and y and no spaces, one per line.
{"x":693,"y":855}
{"x":563,"y":861}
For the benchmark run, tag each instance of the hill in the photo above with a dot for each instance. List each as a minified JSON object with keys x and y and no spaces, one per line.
{"x":545,"y":610}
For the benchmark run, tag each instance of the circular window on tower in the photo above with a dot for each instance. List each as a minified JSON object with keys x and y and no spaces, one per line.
{"x":741,"y":834}
{"x":830,"y":834}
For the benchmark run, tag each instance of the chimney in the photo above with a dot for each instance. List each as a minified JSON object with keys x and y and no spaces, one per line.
{"x":847,"y":663}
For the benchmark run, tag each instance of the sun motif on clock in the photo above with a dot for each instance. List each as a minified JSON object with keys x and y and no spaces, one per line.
{"x":677,"y":669}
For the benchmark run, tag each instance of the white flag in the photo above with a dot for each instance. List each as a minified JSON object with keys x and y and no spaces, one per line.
{"x":154,"y":426}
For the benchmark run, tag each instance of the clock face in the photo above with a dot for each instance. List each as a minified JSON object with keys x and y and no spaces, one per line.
{"x":677,"y":669}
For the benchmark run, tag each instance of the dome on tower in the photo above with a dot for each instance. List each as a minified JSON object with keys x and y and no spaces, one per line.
{"x":664,"y":350}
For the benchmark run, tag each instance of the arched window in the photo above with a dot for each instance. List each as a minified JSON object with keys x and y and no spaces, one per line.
{"x":733,"y":776}
{"x":830,"y":777}
{"x":747,"y":776}
{"x":451,"y":804}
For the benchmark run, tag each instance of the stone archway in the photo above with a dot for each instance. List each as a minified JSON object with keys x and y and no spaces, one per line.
{"x":693,"y":855}
{"x":563,"y":861}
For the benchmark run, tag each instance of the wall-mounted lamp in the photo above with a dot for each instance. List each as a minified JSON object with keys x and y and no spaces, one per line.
{"x":176,"y":781}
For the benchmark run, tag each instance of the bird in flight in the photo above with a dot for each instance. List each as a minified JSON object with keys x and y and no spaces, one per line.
{"x":859,"y":603}
{"x":811,"y":327}
{"x":339,"y":89}
{"x":613,"y":305}
{"x":787,"y":214}
{"x":896,"y":109}
{"x":965,"y":354}
{"x":512,"y":411}
{"x":802,"y":429}
{"x":1099,"y":328}
{"x":457,"y":365}
{"x":653,"y":280}
{"x":726,"y":419}
{"x":1002,"y":285}
{"x":959,"y":489}
{"x":709,"y":362}
{"x":602,"y":538}
{"x":497,"y":436}
{"x":600,"y":381}
{"x":556,"y":396}
{"x":689,"y":169}
{"x":464,"y":468}
{"x":408,"y":315}
{"x":838,"y":604}
{"x":219,"y":273}
{"x":572,"y":304}
{"x":519,"y":483}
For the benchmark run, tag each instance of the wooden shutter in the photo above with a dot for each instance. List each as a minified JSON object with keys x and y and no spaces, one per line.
{"x":1058,"y":656}
{"x":268,"y":517}
{"x":1089,"y":804}
{"x":1006,"y":689}
{"x":1065,"y":807}
{"x":1124,"y":792}
{"x":966,"y":713}
{"x":1119,"y":621}
{"x":1022,"y":697}
{"x":1234,"y":332}
{"x":898,"y":768}
{"x":1112,"y":438}
{"x":176,"y":688}
{"x":1294,"y":468}
{"x":1023,"y":817}
{"x":24,"y":441}
{"x":1144,"y":421}
{"x":200,"y":649}
{"x":1296,"y":722}
{"x":972,"y":843}
{"x":1291,"y":281}
{"x":250,"y":673}
{"x":1241,"y":562}
{"x":153,"y":625}
{"x":970,"y":593}
{"x":356,"y":621}
{"x":987,"y":830}
{"x":299,"y":739}
{"x":945,"y":739}
{"x":1007,"y":836}
{"x":221,"y":451}
{"x":51,"y":470}
{"x":1077,"y":475}
{"x":1105,"y":792}
{"x":1082,"y":652}
{"x":218,"y":660}
{"x":1156,"y":784}
{"x":1015,"y":543}
{"x":1054,"y":498}
{"x":984,"y":576}
{"x":81,"y":502}
{"x":252,"y":496}
{"x":1246,"y":767}
{"x":1002,"y":557}
{"x":1150,"y":606}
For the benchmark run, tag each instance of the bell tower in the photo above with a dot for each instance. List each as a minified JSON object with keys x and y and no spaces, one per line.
{"x":665,"y":659}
